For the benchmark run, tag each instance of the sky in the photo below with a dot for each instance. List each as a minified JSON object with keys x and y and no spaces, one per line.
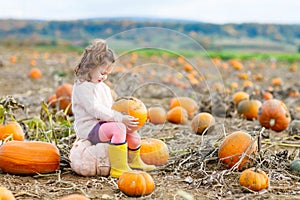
{"x":212,"y":11}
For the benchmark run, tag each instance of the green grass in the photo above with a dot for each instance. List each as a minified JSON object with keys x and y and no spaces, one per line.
{"x":288,"y":57}
{"x":150,"y":52}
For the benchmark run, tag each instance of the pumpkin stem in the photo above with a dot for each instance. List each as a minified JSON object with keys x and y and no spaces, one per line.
{"x":272,"y":122}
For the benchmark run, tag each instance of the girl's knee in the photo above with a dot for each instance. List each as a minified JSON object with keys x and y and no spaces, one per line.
{"x":115,"y":132}
{"x":133,"y":140}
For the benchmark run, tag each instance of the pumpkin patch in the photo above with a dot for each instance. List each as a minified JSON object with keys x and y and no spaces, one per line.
{"x":200,"y":132}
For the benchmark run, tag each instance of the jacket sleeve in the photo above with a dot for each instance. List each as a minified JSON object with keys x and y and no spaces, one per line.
{"x":94,"y":107}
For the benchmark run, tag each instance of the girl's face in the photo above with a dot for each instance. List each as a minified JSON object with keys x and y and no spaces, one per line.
{"x":99,"y":74}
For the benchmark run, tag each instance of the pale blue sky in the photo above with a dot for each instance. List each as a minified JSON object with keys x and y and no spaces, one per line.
{"x":214,"y":11}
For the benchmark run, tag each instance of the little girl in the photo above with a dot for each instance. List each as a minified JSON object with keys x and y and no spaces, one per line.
{"x":94,"y":118}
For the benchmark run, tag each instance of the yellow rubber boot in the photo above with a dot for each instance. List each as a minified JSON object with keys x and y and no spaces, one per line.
{"x":135,"y":161}
{"x":118,"y":159}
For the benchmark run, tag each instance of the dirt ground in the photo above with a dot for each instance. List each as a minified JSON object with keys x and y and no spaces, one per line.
{"x":193,"y":170}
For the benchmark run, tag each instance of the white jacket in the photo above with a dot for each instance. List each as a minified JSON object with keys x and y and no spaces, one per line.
{"x":91,"y":103}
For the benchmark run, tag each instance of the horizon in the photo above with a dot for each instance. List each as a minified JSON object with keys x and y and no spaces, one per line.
{"x":143,"y":19}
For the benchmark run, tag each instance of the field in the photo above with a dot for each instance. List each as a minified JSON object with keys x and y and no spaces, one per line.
{"x":193,"y":170}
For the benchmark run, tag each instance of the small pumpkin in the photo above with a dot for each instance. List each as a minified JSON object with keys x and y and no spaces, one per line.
{"x":239,"y":96}
{"x":254,"y":179}
{"x":267,"y":95}
{"x":236,"y":64}
{"x":201,"y":121}
{"x":11,"y":128}
{"x":154,"y":151}
{"x":187,"y":103}
{"x":247,"y":84}
{"x":35,"y":73}
{"x":132,"y":106}
{"x":136,"y":183}
{"x":64,"y":96}
{"x":234,"y":146}
{"x":249,"y":108}
{"x":6,"y":194}
{"x":157,"y":115}
{"x":177,"y":115}
{"x":74,"y":197}
{"x":276,"y":81}
{"x":29,"y":157}
{"x":274,"y":115}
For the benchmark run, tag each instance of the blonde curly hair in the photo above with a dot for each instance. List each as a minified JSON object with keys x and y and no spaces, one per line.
{"x":95,"y":55}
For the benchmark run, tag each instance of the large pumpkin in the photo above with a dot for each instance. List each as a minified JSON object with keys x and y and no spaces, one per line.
{"x":90,"y":160}
{"x":136,"y":183}
{"x":132,"y":106}
{"x":154,"y":151}
{"x":274,"y":115}
{"x":12,"y":128}
{"x":254,"y":179}
{"x":234,"y":147}
{"x":249,"y":108}
{"x":29,"y":157}
{"x":189,"y":104}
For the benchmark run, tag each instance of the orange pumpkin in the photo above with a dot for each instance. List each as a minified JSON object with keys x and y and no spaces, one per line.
{"x":64,"y":96}
{"x":154,"y":151}
{"x":132,"y":106}
{"x":249,"y":108}
{"x":136,"y":183}
{"x":35,"y":73}
{"x":236,"y":64}
{"x":247,"y":84}
{"x":274,"y":115}
{"x":177,"y":115}
{"x":13,"y":59}
{"x":52,"y":100}
{"x":187,"y":103}
{"x":277,"y":81}
{"x":157,"y":115}
{"x":29,"y":157}
{"x":12,"y":128}
{"x":201,"y":121}
{"x":234,"y":146}
{"x":254,"y":179}
{"x":6,"y":194}
{"x":267,"y":95}
{"x":74,"y":197}
{"x":239,"y":96}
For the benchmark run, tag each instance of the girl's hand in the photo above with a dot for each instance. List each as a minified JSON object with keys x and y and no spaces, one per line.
{"x":130,"y":121}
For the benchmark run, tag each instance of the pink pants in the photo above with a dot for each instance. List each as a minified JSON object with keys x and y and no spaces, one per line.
{"x":116,"y":133}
